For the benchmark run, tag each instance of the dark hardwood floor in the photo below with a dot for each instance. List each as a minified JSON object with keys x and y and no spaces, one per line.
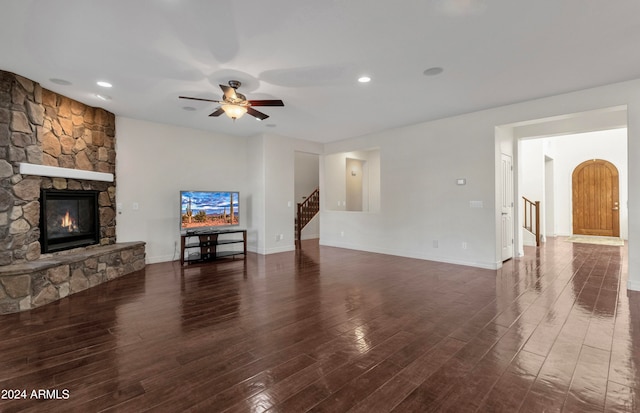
{"x":333,"y":330}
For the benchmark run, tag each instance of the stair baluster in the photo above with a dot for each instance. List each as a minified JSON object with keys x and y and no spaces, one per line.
{"x":532,"y":218}
{"x":306,"y":211}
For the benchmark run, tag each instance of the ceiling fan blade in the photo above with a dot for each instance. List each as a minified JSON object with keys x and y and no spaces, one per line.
{"x":229,"y":92}
{"x":272,"y":102}
{"x":256,"y":113}
{"x":204,"y":100}
{"x":217,"y":112}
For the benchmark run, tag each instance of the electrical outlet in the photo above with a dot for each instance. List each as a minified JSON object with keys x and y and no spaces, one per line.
{"x":464,"y":245}
{"x":342,"y":233}
{"x":435,"y":243}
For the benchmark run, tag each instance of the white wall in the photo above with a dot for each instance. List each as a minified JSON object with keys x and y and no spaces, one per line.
{"x":420,"y":202}
{"x":549,"y":212}
{"x":154,"y":162}
{"x":532,"y":166}
{"x":256,"y":194}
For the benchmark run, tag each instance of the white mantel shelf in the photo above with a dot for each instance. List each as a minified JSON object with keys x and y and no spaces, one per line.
{"x":57,"y":172}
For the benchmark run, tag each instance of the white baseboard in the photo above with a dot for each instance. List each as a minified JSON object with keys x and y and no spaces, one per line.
{"x":448,"y":260}
{"x":285,"y":248}
{"x":162,"y":258}
{"x":633,"y":285}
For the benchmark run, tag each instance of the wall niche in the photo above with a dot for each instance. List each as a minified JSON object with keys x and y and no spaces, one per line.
{"x":352,"y":181}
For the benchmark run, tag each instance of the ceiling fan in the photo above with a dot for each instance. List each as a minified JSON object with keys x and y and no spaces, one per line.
{"x":234,"y":104}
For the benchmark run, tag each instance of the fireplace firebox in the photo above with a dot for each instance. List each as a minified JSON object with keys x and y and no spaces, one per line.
{"x":68,"y":219}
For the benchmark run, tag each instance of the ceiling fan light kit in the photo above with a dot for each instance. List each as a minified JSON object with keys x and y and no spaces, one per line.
{"x":234,"y":104}
{"x":234,"y":111}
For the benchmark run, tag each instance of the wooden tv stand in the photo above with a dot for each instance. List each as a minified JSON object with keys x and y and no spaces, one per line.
{"x":202,"y":246}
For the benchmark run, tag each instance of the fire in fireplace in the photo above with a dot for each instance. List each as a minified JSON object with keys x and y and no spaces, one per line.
{"x":68,"y":219}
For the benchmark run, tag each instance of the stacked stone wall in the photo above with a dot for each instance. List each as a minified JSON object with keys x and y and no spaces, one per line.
{"x":21,"y":120}
{"x":41,"y":127}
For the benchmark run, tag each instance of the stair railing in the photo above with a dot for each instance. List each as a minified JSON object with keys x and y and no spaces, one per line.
{"x":307,"y":209}
{"x":532,"y":218}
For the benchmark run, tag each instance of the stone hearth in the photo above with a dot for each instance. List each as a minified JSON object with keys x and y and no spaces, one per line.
{"x":36,"y":283}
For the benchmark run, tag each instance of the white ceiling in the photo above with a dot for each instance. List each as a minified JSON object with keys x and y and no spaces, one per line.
{"x":309,"y":53}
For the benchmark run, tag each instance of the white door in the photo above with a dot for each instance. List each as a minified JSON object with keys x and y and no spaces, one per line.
{"x":507,"y":207}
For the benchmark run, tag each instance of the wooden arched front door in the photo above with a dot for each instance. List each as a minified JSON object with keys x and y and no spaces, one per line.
{"x":596,"y":208}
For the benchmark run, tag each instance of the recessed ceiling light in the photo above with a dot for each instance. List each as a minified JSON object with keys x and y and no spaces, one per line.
{"x":364,"y":79}
{"x":60,"y":81}
{"x":103,"y":97}
{"x":102,"y":83}
{"x":189,"y":108}
{"x":433,"y":71}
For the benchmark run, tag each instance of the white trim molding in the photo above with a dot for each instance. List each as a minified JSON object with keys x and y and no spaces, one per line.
{"x":57,"y":172}
{"x":633,"y":285}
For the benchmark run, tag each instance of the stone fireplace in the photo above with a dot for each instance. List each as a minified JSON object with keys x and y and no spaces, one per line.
{"x":40,"y":132}
{"x":40,"y":127}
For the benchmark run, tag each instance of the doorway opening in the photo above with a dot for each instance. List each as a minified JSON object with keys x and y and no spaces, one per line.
{"x":306,"y":184}
{"x":546,"y":152}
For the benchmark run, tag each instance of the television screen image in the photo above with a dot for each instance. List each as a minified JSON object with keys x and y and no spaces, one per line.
{"x":204,"y":210}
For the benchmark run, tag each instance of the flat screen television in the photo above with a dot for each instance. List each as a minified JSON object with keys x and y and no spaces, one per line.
{"x":208,"y":210}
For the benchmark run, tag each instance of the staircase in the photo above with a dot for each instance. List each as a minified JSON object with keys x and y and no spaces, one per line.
{"x":532,"y":219}
{"x":306,"y":211}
